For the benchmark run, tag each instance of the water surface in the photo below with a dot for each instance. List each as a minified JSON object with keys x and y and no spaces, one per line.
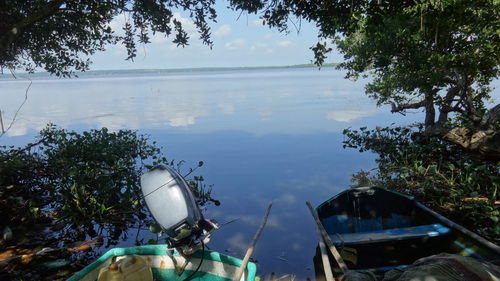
{"x":264,"y":135}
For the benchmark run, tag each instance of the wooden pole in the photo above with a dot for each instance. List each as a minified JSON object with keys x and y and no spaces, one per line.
{"x":249,"y":252}
{"x":326,"y":261}
{"x":328,"y":241}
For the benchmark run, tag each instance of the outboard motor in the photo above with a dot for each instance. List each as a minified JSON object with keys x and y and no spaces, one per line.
{"x":174,"y":208}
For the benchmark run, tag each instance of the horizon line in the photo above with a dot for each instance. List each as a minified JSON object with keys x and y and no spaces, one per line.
{"x":190,"y":68}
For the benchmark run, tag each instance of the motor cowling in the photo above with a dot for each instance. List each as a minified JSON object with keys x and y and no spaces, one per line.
{"x":172,"y":204}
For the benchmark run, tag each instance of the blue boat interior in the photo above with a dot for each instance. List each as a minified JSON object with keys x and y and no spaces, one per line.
{"x":376,"y":211}
{"x":350,"y":224}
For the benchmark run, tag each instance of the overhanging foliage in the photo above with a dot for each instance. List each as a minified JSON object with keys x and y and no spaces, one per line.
{"x":61,"y":35}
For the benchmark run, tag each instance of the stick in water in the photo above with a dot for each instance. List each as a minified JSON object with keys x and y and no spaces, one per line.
{"x":1,"y":122}
{"x":249,"y":252}
{"x":328,"y":241}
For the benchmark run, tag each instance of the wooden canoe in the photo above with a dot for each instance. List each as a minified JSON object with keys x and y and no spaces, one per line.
{"x":214,"y":266}
{"x":377,"y":230}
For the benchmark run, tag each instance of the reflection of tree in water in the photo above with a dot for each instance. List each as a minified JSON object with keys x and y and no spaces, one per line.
{"x":68,"y":194}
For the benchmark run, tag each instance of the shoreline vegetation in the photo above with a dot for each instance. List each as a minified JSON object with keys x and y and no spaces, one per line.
{"x":113,"y":72}
{"x":68,"y":194}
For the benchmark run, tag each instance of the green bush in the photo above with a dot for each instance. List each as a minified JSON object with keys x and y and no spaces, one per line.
{"x":87,"y":182}
{"x":437,"y":173}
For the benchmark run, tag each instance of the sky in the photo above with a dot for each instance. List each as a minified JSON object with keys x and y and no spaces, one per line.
{"x":239,"y":41}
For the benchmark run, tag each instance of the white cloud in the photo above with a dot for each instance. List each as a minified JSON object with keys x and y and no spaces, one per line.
{"x":115,"y":122}
{"x":223,"y":31}
{"x":173,"y":47}
{"x":193,"y":35}
{"x":274,"y":222}
{"x":187,"y":24}
{"x":259,"y":45}
{"x":261,"y":48}
{"x":117,"y":24}
{"x":238,"y":242}
{"x":18,"y":129}
{"x":118,"y":50}
{"x":97,"y":105}
{"x":265,"y":112}
{"x":346,"y":115}
{"x":284,"y":44}
{"x":227,"y":108}
{"x":320,"y":184}
{"x":258,"y":22}
{"x":182,"y":120}
{"x":159,"y":38}
{"x":287,"y":199}
{"x":235,"y":44}
{"x":251,"y":220}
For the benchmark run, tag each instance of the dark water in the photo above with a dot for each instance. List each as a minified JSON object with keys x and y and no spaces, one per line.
{"x":264,"y":135}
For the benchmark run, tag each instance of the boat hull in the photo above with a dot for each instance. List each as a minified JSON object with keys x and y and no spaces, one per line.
{"x":214,"y":266}
{"x":377,"y":230}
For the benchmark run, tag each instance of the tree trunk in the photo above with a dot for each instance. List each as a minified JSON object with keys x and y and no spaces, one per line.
{"x":430,"y":111}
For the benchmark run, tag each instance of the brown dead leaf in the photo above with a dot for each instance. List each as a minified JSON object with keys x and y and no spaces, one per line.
{"x":25,"y":259}
{"x":7,"y":254}
{"x":81,"y":248}
{"x":84,"y":246}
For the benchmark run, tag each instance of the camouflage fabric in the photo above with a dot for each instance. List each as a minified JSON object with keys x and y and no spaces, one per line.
{"x":442,"y":267}
{"x":446,"y":267}
{"x":359,"y":276}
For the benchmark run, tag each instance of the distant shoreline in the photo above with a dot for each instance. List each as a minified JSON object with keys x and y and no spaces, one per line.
{"x":169,"y":70}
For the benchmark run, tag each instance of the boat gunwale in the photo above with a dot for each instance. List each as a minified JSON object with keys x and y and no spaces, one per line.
{"x":363,"y":188}
{"x":455,"y":226}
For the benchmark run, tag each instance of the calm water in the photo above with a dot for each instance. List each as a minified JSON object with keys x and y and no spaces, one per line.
{"x":264,"y":135}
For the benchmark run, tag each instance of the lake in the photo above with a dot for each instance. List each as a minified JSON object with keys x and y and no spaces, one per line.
{"x":271,"y":134}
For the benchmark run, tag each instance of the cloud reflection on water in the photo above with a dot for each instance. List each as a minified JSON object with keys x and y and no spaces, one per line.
{"x":347,"y":115}
{"x":254,"y":220}
{"x":237,"y":242}
{"x":202,"y":101}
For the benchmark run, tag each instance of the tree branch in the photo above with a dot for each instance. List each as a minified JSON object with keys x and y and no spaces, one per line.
{"x":44,"y":12}
{"x":402,"y":107}
{"x":446,"y":107}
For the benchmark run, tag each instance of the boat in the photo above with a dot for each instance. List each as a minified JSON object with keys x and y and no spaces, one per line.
{"x":151,"y":262}
{"x":175,"y":210}
{"x":375,"y":229}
